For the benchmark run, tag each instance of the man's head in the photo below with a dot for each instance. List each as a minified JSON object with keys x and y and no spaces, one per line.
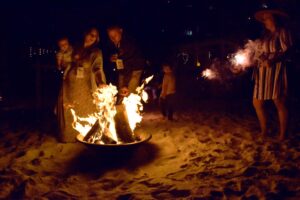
{"x":63,"y":44}
{"x":115,"y":34}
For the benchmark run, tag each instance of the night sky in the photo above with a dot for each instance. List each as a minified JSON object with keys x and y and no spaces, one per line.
{"x":158,"y":26}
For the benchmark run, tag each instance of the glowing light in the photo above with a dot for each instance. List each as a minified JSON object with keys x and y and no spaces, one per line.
{"x":198,"y":64}
{"x":240,"y":59}
{"x":209,"y":74}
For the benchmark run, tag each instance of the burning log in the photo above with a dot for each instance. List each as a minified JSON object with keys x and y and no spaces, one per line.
{"x":112,"y":124}
{"x":124,"y":132}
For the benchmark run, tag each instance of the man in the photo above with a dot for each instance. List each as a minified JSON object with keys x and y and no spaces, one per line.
{"x":129,"y":60}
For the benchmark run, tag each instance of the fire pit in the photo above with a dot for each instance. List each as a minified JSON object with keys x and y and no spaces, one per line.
{"x":143,"y":137}
{"x":113,"y":125}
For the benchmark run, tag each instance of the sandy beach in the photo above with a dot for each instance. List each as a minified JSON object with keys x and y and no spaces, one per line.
{"x":211,"y":151}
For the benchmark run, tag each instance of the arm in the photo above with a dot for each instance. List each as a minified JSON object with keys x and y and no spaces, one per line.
{"x":164,"y":87}
{"x":285,"y":41}
{"x":97,"y":68}
{"x":59,"y":63}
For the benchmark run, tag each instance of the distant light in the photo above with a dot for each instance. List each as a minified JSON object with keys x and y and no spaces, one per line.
{"x":198,"y":64}
{"x":1,"y":98}
{"x":249,"y":18}
{"x":189,"y":32}
{"x":264,"y":5}
{"x":209,"y":55}
{"x":163,"y":30}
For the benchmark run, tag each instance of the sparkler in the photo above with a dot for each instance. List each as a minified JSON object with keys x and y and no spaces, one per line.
{"x":209,"y":74}
{"x":246,"y":57}
{"x":239,"y":61}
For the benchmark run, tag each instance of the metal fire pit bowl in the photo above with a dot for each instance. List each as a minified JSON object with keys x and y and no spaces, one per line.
{"x":144,"y":137}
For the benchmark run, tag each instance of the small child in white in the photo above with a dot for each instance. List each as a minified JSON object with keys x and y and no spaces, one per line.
{"x":167,"y":96}
{"x":64,"y":56}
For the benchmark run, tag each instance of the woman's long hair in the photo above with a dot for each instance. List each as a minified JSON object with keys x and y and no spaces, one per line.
{"x":85,"y":52}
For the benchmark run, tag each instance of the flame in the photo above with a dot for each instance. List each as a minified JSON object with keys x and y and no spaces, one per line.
{"x":209,"y":74}
{"x":133,"y":107}
{"x":105,"y":102}
{"x":133,"y":104}
{"x":83,"y":125}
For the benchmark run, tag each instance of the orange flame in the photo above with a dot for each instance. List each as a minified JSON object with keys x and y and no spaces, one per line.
{"x":105,"y":101}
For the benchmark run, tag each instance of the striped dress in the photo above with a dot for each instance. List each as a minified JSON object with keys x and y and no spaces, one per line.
{"x":271,"y":82}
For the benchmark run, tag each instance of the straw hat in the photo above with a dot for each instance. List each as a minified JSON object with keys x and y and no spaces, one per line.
{"x":260,"y":15}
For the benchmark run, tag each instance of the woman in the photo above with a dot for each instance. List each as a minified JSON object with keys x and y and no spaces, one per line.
{"x":271,"y":73}
{"x":83,"y":78}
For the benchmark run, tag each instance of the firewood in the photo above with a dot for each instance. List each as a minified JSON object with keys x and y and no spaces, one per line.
{"x":123,"y":129}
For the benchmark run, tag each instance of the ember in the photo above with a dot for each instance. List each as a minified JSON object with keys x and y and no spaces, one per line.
{"x":112,"y":124}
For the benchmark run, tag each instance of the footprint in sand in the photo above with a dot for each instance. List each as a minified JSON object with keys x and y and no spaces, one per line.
{"x":170,"y":194}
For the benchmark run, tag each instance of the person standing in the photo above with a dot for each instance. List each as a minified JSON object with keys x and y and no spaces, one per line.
{"x":167,"y":96}
{"x":129,"y":59}
{"x":271,"y":81}
{"x":85,"y":75}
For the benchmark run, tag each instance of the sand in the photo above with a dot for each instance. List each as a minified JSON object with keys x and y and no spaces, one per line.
{"x":212,"y":151}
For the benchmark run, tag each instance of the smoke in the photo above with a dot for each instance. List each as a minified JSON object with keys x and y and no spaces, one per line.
{"x":246,"y":57}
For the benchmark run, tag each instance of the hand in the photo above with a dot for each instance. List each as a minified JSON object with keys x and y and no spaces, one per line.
{"x":163,"y":96}
{"x":124,"y":92}
{"x":68,"y":105}
{"x":114,"y":58}
{"x":101,"y":85}
{"x":266,"y":64}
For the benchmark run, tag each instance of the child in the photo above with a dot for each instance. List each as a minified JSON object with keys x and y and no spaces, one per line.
{"x":64,"y":56}
{"x":167,"y":96}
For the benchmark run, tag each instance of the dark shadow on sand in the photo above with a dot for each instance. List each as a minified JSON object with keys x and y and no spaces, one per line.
{"x":96,"y":161}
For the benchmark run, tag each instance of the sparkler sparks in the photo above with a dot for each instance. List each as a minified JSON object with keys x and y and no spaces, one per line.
{"x":209,"y":74}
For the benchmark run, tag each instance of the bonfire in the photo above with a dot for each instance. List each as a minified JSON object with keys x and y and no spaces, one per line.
{"x":112,"y":123}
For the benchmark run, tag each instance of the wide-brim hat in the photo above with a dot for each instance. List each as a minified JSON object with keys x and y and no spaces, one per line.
{"x":259,"y":15}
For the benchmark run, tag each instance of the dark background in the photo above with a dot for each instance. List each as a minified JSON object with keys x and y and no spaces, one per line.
{"x":164,"y":29}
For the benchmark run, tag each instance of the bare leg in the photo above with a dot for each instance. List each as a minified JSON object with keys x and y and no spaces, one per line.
{"x":261,"y":114}
{"x":282,"y":115}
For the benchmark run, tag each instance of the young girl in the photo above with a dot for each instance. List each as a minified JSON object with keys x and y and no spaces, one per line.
{"x":167,"y":96}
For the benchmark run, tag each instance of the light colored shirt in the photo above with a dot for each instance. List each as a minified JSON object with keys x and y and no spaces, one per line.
{"x":168,"y":85}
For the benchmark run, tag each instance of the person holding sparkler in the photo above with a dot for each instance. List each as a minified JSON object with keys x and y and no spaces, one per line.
{"x":271,"y":73}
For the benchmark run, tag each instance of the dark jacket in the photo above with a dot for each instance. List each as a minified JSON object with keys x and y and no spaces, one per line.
{"x":131,"y":55}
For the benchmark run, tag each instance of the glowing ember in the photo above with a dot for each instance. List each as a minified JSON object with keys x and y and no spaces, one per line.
{"x":104,"y":119}
{"x":209,"y":74}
